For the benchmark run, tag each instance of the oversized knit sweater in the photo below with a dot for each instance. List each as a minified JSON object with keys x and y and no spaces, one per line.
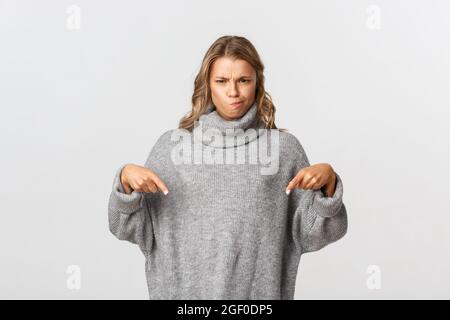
{"x":226,"y":230}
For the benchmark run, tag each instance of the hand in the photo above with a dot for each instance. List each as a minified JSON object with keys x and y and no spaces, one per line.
{"x":314,"y":177}
{"x":141,"y":179}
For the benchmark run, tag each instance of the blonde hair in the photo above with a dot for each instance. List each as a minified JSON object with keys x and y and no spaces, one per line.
{"x":237,"y":48}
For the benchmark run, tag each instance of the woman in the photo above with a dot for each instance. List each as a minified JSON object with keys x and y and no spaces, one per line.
{"x":212,"y":222}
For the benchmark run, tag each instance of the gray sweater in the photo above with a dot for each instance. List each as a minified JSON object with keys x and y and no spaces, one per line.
{"x":226,"y":229}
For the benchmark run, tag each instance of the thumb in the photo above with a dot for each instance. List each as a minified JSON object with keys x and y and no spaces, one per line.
{"x":126,"y":188}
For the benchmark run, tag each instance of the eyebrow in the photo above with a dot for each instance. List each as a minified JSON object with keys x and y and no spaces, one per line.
{"x":217,"y":77}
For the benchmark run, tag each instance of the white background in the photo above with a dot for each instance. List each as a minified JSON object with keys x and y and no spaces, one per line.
{"x":77,"y":103}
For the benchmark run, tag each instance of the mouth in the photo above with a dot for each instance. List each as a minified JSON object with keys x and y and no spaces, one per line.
{"x":236,"y":105}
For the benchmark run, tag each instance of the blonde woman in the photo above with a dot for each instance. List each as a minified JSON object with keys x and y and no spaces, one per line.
{"x":213,"y":214}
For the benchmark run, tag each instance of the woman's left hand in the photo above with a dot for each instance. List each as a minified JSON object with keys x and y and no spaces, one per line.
{"x":314,"y":177}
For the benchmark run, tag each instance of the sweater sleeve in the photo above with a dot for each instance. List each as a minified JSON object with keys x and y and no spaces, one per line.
{"x":130,"y":215}
{"x":318,"y":220}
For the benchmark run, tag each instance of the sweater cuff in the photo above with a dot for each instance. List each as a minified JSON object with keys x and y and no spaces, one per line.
{"x":121,"y":201}
{"x":329,"y":206}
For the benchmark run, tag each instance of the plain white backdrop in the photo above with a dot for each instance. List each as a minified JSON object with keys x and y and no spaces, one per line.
{"x":86,"y":86}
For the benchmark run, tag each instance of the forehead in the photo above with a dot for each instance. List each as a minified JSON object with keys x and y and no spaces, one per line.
{"x":228,"y":67}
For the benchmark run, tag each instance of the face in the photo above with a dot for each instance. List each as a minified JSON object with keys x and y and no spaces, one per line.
{"x":232,"y":81}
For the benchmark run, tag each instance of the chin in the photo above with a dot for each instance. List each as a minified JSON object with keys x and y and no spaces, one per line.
{"x":236,"y":114}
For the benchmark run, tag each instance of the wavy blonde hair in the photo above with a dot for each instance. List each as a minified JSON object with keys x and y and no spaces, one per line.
{"x":234,"y":47}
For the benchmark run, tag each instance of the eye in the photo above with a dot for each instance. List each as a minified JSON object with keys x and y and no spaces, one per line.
{"x":245,"y":80}
{"x":219,"y":81}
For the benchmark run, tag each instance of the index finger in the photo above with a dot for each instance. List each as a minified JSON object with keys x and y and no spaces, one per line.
{"x":295,"y":182}
{"x":292,"y":183}
{"x":160,"y":183}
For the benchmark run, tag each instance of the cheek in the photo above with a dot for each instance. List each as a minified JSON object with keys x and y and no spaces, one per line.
{"x":250,"y":90}
{"x":216,"y":91}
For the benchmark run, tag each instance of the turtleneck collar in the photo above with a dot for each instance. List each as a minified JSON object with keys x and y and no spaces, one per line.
{"x":221,"y":133}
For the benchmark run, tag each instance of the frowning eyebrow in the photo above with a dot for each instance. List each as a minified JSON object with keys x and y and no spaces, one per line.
{"x":220,"y":77}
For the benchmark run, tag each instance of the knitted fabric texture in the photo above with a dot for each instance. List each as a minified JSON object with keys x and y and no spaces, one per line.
{"x":225,"y":230}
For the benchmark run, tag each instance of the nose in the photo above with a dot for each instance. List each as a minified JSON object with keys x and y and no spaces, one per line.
{"x":232,"y":91}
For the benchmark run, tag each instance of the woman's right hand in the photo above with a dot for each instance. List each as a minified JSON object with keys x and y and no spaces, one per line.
{"x":141,"y":179}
